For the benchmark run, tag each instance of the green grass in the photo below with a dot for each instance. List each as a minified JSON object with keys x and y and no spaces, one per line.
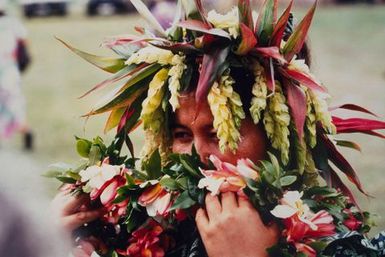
{"x":348,"y":53}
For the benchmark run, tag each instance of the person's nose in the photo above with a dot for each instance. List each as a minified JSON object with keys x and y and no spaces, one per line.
{"x":202,"y":149}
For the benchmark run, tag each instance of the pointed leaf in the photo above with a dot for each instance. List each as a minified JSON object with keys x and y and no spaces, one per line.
{"x":266,"y":19}
{"x":201,"y":11}
{"x":245,"y":15}
{"x":337,"y":183}
{"x":280,"y":27}
{"x":124,"y":99}
{"x":304,"y":79}
{"x":140,"y":75}
{"x":373,"y":133}
{"x":269,"y":74}
{"x":184,"y":47}
{"x":356,"y":125}
{"x":200,"y":26}
{"x":126,"y":71}
{"x":341,"y":163}
{"x":147,"y":15}
{"x":114,"y":119}
{"x":297,"y":101}
{"x":248,"y":40}
{"x":272,"y":52}
{"x":297,"y":39}
{"x":213,"y":64}
{"x":108,"y":64}
{"x":127,"y":114}
{"x":352,"y":107}
{"x":348,"y":144}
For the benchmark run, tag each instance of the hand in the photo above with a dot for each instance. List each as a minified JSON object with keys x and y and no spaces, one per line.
{"x":231,"y":227}
{"x":72,"y":212}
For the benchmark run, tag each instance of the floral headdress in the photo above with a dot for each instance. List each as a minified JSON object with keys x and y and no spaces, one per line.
{"x":157,"y":65}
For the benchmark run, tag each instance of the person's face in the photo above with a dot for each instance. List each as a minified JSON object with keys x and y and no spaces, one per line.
{"x":186,"y":132}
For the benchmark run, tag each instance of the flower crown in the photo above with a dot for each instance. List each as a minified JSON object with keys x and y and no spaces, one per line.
{"x":156,"y":66}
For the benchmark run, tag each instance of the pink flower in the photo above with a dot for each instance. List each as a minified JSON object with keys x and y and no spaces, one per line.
{"x":227,"y":177}
{"x":304,"y":248}
{"x":115,"y":211}
{"x":156,"y":200}
{"x":108,"y":191}
{"x":145,"y":242}
{"x":300,"y":221}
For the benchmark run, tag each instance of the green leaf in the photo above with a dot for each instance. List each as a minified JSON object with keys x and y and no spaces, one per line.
{"x":169,"y":183}
{"x":108,"y":64}
{"x":95,"y":155}
{"x":153,"y":166}
{"x":83,"y":147}
{"x":187,"y":165}
{"x":52,"y":174}
{"x":66,"y":180}
{"x":265,"y":22}
{"x":348,"y":144}
{"x":287,"y":180}
{"x":182,"y":183}
{"x":184,"y":201}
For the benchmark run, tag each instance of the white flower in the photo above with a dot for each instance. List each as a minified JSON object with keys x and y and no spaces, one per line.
{"x":291,"y":204}
{"x":96,"y":175}
{"x":228,"y":21}
{"x":212,"y":184}
{"x":247,"y":169}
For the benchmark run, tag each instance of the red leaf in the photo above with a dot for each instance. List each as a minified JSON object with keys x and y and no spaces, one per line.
{"x":213,"y":65}
{"x":279,"y":28}
{"x":269,"y":74}
{"x":297,"y":101}
{"x":200,"y":26}
{"x":341,"y":163}
{"x":201,"y":11}
{"x":271,"y":51}
{"x":352,"y":107}
{"x":248,"y":40}
{"x":303,"y":79}
{"x":297,"y":39}
{"x":337,"y":183}
{"x":357,"y":125}
{"x":127,"y":114}
{"x":185,"y":47}
{"x":245,"y":15}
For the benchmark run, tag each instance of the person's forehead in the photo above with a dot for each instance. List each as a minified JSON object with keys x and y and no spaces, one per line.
{"x":186,"y":113}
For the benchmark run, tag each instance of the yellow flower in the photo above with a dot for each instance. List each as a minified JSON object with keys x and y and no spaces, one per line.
{"x":259,"y":91}
{"x":229,"y":21}
{"x":226,"y":107}
{"x":322,"y":114}
{"x":277,"y":120}
{"x":310,"y":121}
{"x":151,"y":54}
{"x":175,"y":74}
{"x":152,"y":114}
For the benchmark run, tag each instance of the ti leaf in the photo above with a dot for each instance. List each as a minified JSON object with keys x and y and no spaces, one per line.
{"x":108,"y":64}
{"x":184,"y":201}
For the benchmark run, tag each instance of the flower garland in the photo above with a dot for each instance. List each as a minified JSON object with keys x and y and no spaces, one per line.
{"x":144,"y":207}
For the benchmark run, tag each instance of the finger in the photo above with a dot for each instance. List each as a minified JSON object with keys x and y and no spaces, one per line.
{"x":243,"y":201}
{"x":201,"y":219}
{"x":73,"y":203}
{"x":213,"y":206}
{"x":78,"y":219}
{"x":229,"y":201}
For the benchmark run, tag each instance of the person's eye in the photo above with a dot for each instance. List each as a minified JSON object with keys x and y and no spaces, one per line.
{"x":213,"y":136}
{"x":181,"y":135}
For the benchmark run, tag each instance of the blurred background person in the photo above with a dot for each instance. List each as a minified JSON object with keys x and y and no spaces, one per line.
{"x":14,"y":59}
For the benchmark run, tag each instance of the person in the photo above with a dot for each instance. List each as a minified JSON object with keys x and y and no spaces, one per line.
{"x":14,"y":59}
{"x":231,"y":107}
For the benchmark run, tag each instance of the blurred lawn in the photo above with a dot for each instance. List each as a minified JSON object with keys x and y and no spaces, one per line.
{"x":348,"y":53}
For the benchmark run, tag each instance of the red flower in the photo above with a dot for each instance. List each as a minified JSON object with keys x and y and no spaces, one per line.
{"x":145,"y":242}
{"x":304,"y":248}
{"x":352,"y":223}
{"x":156,"y":200}
{"x":319,"y":225}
